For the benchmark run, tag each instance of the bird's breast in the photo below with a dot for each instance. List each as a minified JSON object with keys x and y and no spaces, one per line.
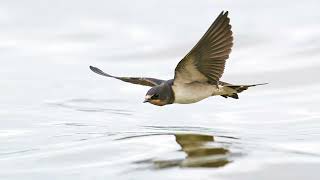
{"x":192,"y":92}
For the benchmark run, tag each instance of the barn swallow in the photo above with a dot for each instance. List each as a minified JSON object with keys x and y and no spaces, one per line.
{"x":197,"y":74}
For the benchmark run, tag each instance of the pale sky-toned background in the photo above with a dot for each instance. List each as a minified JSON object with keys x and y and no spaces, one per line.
{"x":60,"y":119}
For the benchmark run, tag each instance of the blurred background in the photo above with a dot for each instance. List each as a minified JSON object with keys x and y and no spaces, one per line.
{"x":61,"y":121}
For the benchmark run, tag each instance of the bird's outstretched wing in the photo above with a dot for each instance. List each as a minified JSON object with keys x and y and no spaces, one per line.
{"x":135,"y":80}
{"x":206,"y":61}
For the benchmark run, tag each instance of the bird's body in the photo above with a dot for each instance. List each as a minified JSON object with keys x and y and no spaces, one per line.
{"x":192,"y":92}
{"x":197,"y":75}
{"x":197,"y":91}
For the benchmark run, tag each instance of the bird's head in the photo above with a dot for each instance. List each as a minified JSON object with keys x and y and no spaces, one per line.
{"x":159,"y":95}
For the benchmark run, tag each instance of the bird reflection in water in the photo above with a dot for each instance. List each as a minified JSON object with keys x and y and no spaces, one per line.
{"x":201,"y":151}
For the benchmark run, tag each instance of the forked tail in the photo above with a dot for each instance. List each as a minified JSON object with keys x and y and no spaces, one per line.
{"x":239,"y":89}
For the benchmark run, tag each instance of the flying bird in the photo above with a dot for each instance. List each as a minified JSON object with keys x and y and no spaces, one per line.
{"x":197,"y":75}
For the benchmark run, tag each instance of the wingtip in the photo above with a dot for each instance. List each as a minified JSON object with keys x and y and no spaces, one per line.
{"x":260,"y":84}
{"x":99,"y":71}
{"x":94,"y":69}
{"x":224,"y":13}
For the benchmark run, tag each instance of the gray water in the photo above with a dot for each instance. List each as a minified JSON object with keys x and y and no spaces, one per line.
{"x":61,"y":121}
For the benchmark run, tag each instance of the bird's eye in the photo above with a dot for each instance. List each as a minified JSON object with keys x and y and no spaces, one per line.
{"x":155,"y":96}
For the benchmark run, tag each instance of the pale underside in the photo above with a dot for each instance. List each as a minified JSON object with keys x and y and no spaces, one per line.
{"x":197,"y":91}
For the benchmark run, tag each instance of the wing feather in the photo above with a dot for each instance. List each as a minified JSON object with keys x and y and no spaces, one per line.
{"x":134,"y":80}
{"x":206,"y":60}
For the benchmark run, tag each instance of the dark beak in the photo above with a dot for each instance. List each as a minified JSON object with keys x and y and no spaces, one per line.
{"x":147,"y":98}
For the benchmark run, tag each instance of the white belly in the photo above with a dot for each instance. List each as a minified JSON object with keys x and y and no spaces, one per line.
{"x":194,"y":92}
{"x":191,"y":93}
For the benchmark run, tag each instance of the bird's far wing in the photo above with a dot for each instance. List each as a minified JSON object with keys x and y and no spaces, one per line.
{"x":135,"y":80}
{"x":206,"y":61}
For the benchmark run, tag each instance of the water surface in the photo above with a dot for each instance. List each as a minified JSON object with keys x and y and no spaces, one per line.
{"x":61,"y":121}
